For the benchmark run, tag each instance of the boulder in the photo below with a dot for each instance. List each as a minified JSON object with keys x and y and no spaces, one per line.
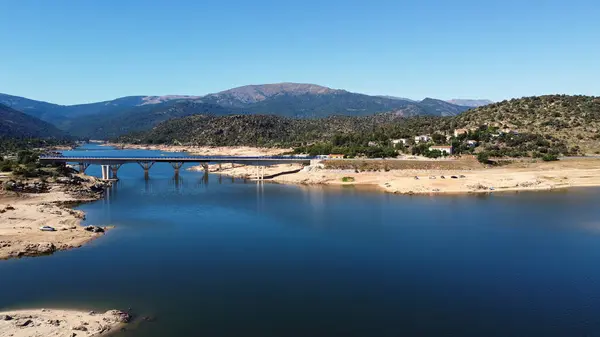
{"x":23,"y":323}
{"x":121,"y":316}
{"x":94,"y":229}
{"x":32,"y":249}
{"x":80,"y":328}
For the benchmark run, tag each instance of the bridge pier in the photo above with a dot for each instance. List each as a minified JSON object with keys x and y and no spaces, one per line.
{"x":176,"y":167}
{"x":114,"y":168}
{"x":105,"y":172}
{"x":205,"y":167}
{"x":260,"y":173}
{"x":83,"y":167}
{"x":146,"y":165}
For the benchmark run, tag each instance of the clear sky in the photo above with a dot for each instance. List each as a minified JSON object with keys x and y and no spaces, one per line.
{"x":76,"y":51}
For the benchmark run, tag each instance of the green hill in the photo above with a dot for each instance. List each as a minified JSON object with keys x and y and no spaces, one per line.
{"x":16,"y":124}
{"x":574,"y":120}
{"x":270,"y":130}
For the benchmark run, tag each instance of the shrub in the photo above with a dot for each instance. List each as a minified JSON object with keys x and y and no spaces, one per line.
{"x":483,"y":157}
{"x":348,"y":179}
{"x":550,"y":157}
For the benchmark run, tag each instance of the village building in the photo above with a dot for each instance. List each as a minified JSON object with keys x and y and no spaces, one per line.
{"x":472,"y":143}
{"x":372,"y":144}
{"x":336,"y":156}
{"x":402,"y":141}
{"x":458,"y":132}
{"x":422,"y":139}
{"x":442,"y":148}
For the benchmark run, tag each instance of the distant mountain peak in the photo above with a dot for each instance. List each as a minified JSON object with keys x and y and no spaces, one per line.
{"x":259,"y":92}
{"x":472,"y":103}
{"x":166,"y":98}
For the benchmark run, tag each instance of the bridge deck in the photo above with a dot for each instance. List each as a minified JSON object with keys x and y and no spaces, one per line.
{"x":107,"y":160}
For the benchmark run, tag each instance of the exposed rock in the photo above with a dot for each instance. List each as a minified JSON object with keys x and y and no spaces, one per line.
{"x":94,"y":229}
{"x":23,"y":323}
{"x":121,"y":316}
{"x":54,"y":322}
{"x":41,"y":248}
{"x":6,"y":318}
{"x":80,"y":328}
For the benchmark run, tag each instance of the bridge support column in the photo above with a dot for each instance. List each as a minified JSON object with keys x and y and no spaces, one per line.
{"x":176,"y":167}
{"x":114,"y":168}
{"x":205,"y":167}
{"x":260,"y":173}
{"x":83,"y":167}
{"x":146,"y":165}
{"x":105,"y":172}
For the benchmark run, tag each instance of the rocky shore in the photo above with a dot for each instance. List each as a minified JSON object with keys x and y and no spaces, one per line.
{"x":27,"y":207}
{"x":61,"y":323}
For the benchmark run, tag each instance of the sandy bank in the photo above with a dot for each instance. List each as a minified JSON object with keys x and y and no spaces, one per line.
{"x":523,"y":176}
{"x":207,"y":150}
{"x":22,"y":215}
{"x":60,"y":323}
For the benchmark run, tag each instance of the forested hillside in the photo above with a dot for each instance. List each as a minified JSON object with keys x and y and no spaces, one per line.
{"x":545,"y":126}
{"x":269,"y":130}
{"x":572,"y":119}
{"x":15,"y":124}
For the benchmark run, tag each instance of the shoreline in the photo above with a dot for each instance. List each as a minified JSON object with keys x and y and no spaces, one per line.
{"x":61,"y":322}
{"x":520,"y":175}
{"x":23,"y":213}
{"x":206,"y":150}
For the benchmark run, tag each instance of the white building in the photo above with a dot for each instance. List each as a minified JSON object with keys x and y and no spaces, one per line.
{"x":442,"y":148}
{"x":403,"y":141}
{"x":472,"y":143}
{"x":422,"y":138}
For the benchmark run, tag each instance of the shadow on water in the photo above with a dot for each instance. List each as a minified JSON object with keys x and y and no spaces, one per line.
{"x":218,"y":256}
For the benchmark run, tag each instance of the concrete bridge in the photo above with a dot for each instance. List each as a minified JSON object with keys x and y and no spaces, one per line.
{"x":110,"y":165}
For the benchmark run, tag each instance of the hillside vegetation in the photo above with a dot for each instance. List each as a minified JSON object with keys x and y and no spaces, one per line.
{"x":544,"y":127}
{"x":15,"y":124}
{"x":574,"y":120}
{"x":269,"y":130}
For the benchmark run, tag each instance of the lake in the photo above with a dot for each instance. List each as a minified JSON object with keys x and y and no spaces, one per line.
{"x":216,"y":256}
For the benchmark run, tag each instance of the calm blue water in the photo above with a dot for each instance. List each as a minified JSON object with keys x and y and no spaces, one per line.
{"x":216,"y":257}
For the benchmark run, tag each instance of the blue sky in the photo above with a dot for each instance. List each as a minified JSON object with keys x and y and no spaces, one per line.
{"x":80,"y":51}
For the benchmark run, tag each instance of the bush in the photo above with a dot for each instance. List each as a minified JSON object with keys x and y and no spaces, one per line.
{"x":483,"y":157}
{"x":6,"y":166}
{"x":550,"y":157}
{"x":348,"y":179}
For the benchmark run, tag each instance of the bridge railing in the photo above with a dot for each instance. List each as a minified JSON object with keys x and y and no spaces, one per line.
{"x":54,"y":157}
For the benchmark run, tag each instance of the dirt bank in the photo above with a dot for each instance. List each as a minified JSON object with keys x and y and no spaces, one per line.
{"x":448,"y":178}
{"x":207,"y":150}
{"x":60,"y":323}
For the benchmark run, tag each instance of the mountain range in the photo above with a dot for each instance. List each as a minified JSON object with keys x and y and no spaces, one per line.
{"x":15,"y":124}
{"x":137,"y":113}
